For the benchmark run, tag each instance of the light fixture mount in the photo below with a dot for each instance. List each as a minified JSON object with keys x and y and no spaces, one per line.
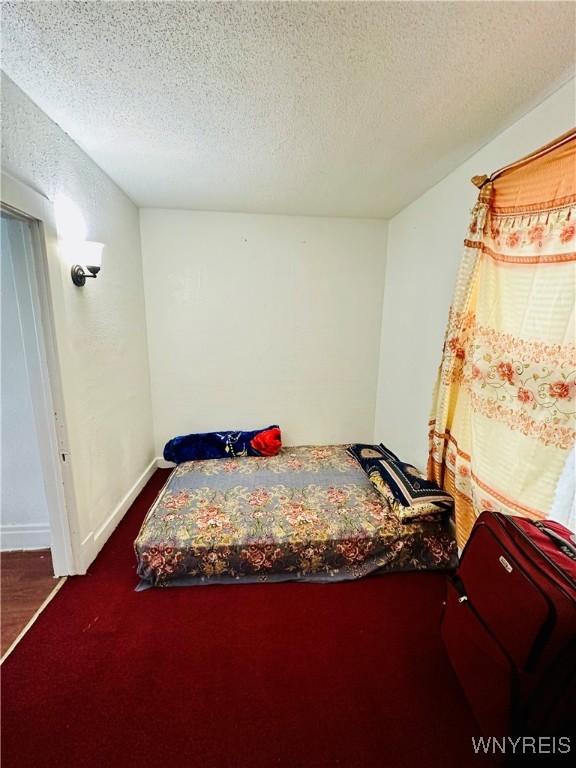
{"x":79,"y":275}
{"x":92,"y":253}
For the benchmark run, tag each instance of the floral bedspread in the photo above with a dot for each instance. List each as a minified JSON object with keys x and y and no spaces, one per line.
{"x":309,"y":513}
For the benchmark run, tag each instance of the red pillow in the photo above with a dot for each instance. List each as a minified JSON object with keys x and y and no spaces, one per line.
{"x":268,"y":442}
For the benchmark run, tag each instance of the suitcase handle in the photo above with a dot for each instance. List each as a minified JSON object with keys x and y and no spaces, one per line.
{"x":567,"y":547}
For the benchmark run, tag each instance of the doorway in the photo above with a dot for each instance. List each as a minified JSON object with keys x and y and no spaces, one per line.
{"x":34,"y":531}
{"x":25,"y":521}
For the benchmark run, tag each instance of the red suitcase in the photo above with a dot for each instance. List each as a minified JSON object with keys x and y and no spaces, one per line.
{"x":509,"y":625}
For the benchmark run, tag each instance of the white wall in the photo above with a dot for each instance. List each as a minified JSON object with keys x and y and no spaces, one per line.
{"x":251,"y":319}
{"x":24,"y":510}
{"x":258,"y":319}
{"x":424,"y":251}
{"x":101,"y":328}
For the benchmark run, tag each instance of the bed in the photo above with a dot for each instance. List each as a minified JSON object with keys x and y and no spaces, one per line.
{"x":309,"y":513}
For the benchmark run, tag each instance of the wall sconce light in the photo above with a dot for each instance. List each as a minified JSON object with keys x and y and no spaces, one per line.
{"x":91,"y":257}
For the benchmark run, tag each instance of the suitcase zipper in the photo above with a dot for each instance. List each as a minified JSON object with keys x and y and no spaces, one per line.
{"x":564,"y":546}
{"x":543,"y":555}
{"x":464,"y":600}
{"x":460,"y":588}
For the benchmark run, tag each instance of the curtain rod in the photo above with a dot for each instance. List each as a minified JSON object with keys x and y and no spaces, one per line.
{"x":479,"y":181}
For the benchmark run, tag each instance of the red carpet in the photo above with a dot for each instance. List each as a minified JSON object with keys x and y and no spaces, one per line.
{"x":253,"y":676}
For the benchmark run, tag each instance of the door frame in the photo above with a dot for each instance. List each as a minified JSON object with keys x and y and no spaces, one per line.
{"x":40,"y":279}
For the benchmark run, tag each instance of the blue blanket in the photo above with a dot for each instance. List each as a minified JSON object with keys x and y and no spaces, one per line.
{"x":223,"y":445}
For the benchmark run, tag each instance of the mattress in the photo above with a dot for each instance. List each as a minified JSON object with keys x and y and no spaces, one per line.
{"x":309,"y":513}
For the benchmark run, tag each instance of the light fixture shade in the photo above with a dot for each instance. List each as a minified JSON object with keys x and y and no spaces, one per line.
{"x":87,"y":257}
{"x":91,"y":253}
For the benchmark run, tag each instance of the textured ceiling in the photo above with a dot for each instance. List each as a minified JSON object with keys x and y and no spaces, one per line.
{"x":329,"y":108}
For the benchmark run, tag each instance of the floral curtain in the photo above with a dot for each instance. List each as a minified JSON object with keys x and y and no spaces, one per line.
{"x":503,"y":416}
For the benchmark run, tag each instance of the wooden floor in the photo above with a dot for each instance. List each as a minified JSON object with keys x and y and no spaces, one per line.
{"x":26,"y":580}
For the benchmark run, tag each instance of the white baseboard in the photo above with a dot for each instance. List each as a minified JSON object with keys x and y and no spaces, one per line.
{"x":94,"y":542}
{"x":163,"y":464}
{"x":24,"y":536}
